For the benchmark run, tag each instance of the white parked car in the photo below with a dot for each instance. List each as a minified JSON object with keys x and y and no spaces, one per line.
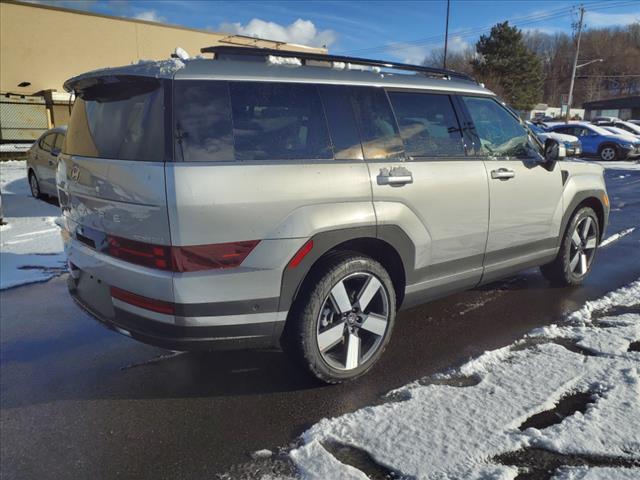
{"x":571,"y":143}
{"x":620,"y":131}
{"x":629,"y":126}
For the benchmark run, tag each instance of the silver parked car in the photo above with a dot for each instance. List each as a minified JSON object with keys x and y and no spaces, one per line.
{"x":42,"y":162}
{"x":246,"y":201}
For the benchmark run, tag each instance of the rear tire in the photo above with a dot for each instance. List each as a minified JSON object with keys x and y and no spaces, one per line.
{"x":34,"y":185}
{"x":577,"y":251}
{"x":342,"y":319}
{"x":608,"y":153}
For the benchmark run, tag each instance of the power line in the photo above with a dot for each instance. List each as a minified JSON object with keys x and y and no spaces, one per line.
{"x":475,"y":31}
{"x":608,"y":76}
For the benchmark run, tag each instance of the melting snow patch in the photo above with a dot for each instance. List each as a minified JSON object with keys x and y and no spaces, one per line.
{"x":621,"y":165}
{"x":264,"y":453}
{"x":441,"y":431}
{"x":287,"y":61}
{"x":617,"y":236}
{"x":31,"y":247}
{"x":597,"y":473}
{"x":161,"y":68}
{"x":623,"y":297}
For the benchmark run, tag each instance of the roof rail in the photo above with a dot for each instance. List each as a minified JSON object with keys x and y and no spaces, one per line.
{"x":304,"y":56}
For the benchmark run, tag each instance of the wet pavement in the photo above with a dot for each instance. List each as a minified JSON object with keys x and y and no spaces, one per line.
{"x":79,"y":401}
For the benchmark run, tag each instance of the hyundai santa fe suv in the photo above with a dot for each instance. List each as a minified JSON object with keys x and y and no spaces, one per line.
{"x":261,"y":197}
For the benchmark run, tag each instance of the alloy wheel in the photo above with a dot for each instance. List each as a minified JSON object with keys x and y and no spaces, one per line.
{"x":353,"y":321}
{"x":608,"y":153}
{"x":584,"y":241}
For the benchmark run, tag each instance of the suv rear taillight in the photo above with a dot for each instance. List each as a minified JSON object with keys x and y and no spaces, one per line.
{"x":205,"y":257}
{"x":180,"y":259}
{"x":140,"y":253}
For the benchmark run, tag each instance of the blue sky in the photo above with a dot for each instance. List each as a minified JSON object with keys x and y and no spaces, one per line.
{"x":403,"y":30}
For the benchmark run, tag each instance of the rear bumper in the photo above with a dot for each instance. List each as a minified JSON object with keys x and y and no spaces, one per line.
{"x":171,"y":336}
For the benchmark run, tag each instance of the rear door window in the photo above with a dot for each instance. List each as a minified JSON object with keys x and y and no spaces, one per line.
{"x":378,"y":129}
{"x":428,"y":124}
{"x":278,"y":121}
{"x":119,"y":119}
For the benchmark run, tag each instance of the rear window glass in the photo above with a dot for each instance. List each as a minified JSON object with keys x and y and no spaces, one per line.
{"x":428,"y":124}
{"x":274,"y":121}
{"x":121,"y":120}
{"x":249,"y":121}
{"x":378,"y":130}
{"x":203,"y":121}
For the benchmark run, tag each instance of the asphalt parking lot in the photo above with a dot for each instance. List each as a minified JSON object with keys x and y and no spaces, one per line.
{"x":79,"y":401}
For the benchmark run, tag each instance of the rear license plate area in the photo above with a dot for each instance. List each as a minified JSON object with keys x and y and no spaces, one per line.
{"x":95,"y":294}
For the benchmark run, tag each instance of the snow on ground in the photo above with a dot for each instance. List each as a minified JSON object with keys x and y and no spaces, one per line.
{"x":440,"y":430}
{"x":597,"y":473}
{"x":616,"y":236}
{"x":619,"y":165}
{"x":30,"y":243}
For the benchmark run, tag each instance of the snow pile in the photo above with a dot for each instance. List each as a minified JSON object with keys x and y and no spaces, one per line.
{"x":31,"y":247}
{"x":623,"y":297}
{"x":146,"y":68}
{"x":596,"y":473}
{"x":156,"y":68}
{"x":286,"y":61}
{"x":181,"y":53}
{"x":441,"y":431}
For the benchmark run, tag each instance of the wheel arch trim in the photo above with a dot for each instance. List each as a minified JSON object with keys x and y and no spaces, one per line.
{"x":585,"y":197}
{"x":323,"y":242}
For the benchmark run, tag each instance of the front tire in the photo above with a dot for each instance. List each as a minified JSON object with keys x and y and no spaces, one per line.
{"x":342,"y":320}
{"x":608,"y":153}
{"x":577,"y":251}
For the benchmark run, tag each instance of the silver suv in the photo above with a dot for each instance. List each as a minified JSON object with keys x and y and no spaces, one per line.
{"x":263,"y":197}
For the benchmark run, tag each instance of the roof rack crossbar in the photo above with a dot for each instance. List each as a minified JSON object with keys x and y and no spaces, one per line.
{"x":320,"y":57}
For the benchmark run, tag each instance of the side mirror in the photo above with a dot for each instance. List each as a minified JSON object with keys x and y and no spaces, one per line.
{"x":554,"y":151}
{"x":55,"y":152}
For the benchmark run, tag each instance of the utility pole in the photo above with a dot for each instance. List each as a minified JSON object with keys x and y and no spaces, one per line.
{"x":575,"y":65}
{"x":446,"y":36}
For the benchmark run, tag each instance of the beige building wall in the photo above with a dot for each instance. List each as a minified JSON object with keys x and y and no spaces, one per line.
{"x":47,"y":45}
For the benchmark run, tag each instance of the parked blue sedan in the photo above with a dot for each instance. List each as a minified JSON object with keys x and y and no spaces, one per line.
{"x":598,"y":142}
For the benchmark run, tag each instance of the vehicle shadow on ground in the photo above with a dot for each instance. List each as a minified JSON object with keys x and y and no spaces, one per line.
{"x":224,"y":373}
{"x":15,"y":204}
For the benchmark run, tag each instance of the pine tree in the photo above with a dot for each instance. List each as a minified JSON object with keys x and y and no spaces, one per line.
{"x":507,"y":67}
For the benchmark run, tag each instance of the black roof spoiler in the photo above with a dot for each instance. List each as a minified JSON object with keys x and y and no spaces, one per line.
{"x":320,"y":57}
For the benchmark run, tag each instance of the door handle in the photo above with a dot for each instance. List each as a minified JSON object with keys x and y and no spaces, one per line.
{"x":396,"y":177}
{"x":51,"y":162}
{"x":502,"y":174}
